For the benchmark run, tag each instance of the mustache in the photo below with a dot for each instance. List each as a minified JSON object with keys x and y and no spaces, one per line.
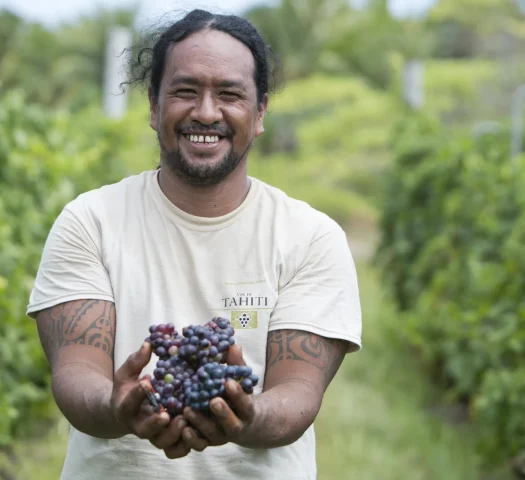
{"x":217,"y":128}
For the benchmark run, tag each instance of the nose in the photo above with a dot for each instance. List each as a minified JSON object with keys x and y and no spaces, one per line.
{"x":206,"y":110}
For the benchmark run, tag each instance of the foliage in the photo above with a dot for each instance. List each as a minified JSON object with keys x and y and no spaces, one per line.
{"x":453,"y":229}
{"x":45,"y":161}
{"x":62,"y":67}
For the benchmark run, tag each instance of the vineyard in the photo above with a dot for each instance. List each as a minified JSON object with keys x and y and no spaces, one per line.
{"x":443,"y":308}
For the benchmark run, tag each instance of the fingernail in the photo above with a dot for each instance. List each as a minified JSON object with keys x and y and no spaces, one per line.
{"x":145,"y":346}
{"x":181,"y":424}
{"x":190,"y":414}
{"x":218,"y":407}
{"x":187,"y":434}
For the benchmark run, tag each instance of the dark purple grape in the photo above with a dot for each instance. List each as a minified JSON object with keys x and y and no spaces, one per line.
{"x":213,"y":351}
{"x":190,"y":350}
{"x":208,"y":384}
{"x":194,"y":397}
{"x":246,"y":384}
{"x":204,"y":395}
{"x":161,"y":352}
{"x":205,"y":405}
{"x":254,"y":379}
{"x":223,"y":346}
{"x":176,"y":383}
{"x":152,"y":329}
{"x":168,"y":389}
{"x":205,"y":343}
{"x":159,"y":373}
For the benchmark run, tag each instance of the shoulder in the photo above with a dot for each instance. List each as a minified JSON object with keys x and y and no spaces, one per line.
{"x":110,"y":201}
{"x":296,"y":216}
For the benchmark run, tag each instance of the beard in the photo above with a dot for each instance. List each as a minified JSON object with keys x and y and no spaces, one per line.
{"x":201,"y":174}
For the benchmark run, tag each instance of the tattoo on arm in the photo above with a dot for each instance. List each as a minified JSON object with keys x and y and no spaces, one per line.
{"x":82,"y":322}
{"x":324,"y":353}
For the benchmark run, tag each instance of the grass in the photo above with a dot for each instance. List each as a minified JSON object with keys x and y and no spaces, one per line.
{"x":373,"y":425}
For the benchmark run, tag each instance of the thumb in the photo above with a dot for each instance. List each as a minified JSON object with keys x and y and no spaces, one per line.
{"x":135,"y":363}
{"x":234,"y":356}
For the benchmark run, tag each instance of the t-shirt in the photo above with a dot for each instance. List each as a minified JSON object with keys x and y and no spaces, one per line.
{"x":273,"y":263}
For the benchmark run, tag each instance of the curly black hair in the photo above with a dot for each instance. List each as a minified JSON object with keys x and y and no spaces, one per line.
{"x":148,"y":67}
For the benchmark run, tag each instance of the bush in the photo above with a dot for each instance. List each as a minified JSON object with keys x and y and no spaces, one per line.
{"x":46,"y":159}
{"x":453,"y":226}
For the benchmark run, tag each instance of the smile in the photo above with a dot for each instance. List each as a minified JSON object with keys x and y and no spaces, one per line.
{"x":211,"y":139}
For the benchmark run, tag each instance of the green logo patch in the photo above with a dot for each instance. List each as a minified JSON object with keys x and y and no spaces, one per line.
{"x":243,"y":319}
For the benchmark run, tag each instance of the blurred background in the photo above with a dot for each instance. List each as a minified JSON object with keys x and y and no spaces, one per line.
{"x":401,"y":119}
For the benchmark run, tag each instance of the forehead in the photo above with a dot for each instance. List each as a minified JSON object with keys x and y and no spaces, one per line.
{"x":211,"y":56}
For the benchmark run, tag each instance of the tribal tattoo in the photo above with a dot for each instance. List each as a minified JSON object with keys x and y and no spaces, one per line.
{"x":81,"y":322}
{"x":324,"y":353}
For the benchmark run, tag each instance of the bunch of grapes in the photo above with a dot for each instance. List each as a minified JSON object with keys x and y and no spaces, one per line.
{"x":191,"y":369}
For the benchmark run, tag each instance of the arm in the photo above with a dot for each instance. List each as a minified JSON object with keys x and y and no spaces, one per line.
{"x":300,"y":366}
{"x":78,"y":339}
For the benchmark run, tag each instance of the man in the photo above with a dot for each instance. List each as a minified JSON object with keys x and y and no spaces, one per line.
{"x":195,"y":239}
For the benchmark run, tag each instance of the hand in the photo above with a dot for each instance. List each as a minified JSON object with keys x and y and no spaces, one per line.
{"x":129,"y":394}
{"x":230,"y":420}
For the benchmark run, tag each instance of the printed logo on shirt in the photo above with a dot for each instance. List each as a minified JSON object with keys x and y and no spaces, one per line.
{"x":244,"y":320}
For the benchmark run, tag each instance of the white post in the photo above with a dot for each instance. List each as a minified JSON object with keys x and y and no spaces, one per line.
{"x":413,"y":84}
{"x":115,"y":97}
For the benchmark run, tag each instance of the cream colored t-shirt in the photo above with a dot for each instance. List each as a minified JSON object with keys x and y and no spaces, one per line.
{"x":274,"y":262}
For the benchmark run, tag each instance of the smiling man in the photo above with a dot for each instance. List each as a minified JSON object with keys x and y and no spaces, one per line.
{"x":194,"y":239}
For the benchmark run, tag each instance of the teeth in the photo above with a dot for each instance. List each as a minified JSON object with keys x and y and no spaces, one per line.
{"x":203,"y":139}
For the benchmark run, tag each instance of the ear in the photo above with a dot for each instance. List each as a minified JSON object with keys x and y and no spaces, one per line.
{"x":259,"y":125}
{"x":153,"y":109}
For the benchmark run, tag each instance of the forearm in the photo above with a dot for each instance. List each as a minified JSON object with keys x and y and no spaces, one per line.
{"x":83,"y":395}
{"x":283,"y":414}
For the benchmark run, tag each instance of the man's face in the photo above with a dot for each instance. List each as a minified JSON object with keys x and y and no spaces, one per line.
{"x":207,"y":114}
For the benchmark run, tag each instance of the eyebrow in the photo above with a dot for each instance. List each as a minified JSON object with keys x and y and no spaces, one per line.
{"x":187,"y":80}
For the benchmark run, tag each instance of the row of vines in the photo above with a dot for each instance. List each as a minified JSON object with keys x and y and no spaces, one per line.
{"x":453,"y":234}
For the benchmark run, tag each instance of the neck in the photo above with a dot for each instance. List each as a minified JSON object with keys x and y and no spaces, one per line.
{"x":209,"y":200}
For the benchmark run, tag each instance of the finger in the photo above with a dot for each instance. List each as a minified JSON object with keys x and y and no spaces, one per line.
{"x":134,"y":364}
{"x":179,"y":450}
{"x":230,"y":423}
{"x":241,"y":402}
{"x":148,"y":427}
{"x":234,"y":355}
{"x":170,"y":435}
{"x":193,"y":441}
{"x":208,"y":428}
{"x":132,"y":402}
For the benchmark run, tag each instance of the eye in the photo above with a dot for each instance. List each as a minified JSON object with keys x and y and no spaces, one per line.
{"x":185,"y":93}
{"x":230,"y":95}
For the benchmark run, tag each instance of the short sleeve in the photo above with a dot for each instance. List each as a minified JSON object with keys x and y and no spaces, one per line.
{"x":71,"y":267}
{"x":323,"y":295}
